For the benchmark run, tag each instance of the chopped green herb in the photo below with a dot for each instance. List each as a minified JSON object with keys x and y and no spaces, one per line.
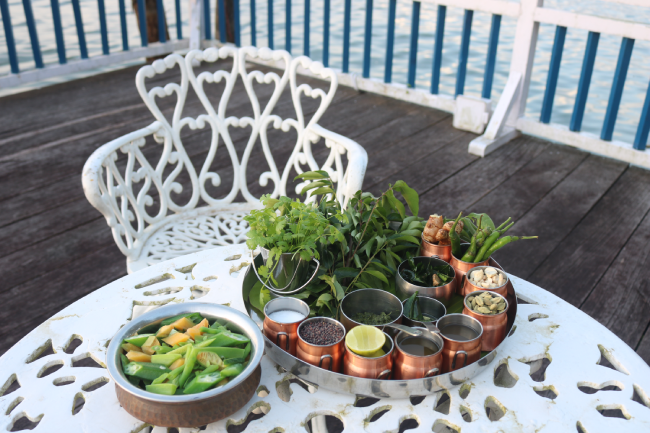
{"x":372,"y":318}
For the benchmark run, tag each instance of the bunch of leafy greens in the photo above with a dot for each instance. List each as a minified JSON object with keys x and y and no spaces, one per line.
{"x":374,"y":235}
{"x":289,"y":226}
{"x":424,"y":274}
{"x":413,"y":311}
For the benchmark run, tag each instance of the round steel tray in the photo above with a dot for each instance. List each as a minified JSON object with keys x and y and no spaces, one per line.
{"x":372,"y":387}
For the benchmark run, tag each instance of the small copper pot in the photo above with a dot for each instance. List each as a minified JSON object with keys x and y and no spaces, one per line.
{"x":370,"y":368}
{"x":327,"y":357}
{"x":442,"y":293}
{"x":494,"y":325}
{"x":462,"y":268}
{"x":456,"y":353}
{"x":428,"y":249}
{"x":407,"y":366}
{"x":284,"y":335}
{"x":470,"y":286}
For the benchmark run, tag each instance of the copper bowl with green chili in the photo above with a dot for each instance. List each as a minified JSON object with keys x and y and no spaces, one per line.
{"x":199,"y":407}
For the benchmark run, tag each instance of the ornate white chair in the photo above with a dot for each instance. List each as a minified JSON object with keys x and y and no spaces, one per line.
{"x":135,"y":194}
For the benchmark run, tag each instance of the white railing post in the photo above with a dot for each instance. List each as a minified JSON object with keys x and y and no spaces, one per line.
{"x":512,"y":104}
{"x":197,"y":32}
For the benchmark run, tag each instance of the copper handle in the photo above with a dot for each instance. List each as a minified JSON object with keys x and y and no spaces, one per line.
{"x":384,"y":374}
{"x":453,"y":363}
{"x":432,"y":372}
{"x":323,"y":358}
{"x":277,"y":340}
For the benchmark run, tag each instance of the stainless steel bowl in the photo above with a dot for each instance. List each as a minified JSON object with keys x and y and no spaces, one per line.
{"x":374,"y":301}
{"x":194,"y":409}
{"x":442,"y":293}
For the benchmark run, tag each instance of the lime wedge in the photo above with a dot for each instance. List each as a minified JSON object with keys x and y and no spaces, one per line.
{"x":365,"y":340}
{"x":376,"y":354}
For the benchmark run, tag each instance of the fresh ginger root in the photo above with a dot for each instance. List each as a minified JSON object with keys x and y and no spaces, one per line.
{"x":431,"y":229}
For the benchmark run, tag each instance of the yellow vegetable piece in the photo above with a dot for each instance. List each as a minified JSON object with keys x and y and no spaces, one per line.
{"x":173,"y":340}
{"x":147,"y":346}
{"x":195,"y":331}
{"x":364,"y":340}
{"x":138,"y":357}
{"x":182,"y":324}
{"x":128,"y":347}
{"x":177,"y":363}
{"x":164,"y":331}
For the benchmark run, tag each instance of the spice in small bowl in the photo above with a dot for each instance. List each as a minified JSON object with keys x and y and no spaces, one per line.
{"x":488,"y":277}
{"x":486,"y":303}
{"x":373,"y":319}
{"x":321,"y":332}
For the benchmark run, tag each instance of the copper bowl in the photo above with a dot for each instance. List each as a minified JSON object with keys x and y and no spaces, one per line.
{"x":407,"y":366}
{"x":494,"y":325}
{"x":442,"y":293}
{"x":284,"y":335}
{"x":458,"y":353}
{"x":428,"y":249}
{"x":462,"y":268}
{"x":470,"y":286}
{"x":194,"y":409}
{"x":370,"y":368}
{"x":328,"y":357}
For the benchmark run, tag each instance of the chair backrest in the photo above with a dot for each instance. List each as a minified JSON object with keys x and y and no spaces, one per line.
{"x":123,"y":193}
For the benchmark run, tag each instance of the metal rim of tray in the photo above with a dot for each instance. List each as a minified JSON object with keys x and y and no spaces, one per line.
{"x":374,"y":387}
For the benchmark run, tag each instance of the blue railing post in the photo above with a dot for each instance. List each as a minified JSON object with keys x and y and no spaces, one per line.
{"x":142,"y":21}
{"x":616,"y":93}
{"x":81,"y":35}
{"x":58,"y":31}
{"x":413,"y":49}
{"x":287,"y":25}
{"x":326,"y":33}
{"x":585,"y":80}
{"x":305,"y":48}
{"x":125,"y":34}
{"x":491,"y":60}
{"x":253,"y":25}
{"x":553,"y":74}
{"x":347,"y":16}
{"x":390,"y":42}
{"x":9,"y":36}
{"x":437,"y":50}
{"x":367,"y":40}
{"x":179,"y":20}
{"x":207,"y":26}
{"x":160,"y":9}
{"x":221,"y":4}
{"x":269,"y":17}
{"x":103,"y":29}
{"x":33,"y":34}
{"x":641,"y":138}
{"x":237,"y":23}
{"x":464,"y":52}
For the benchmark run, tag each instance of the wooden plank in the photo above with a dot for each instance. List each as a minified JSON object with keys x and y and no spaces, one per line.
{"x":530,"y":184}
{"x":553,"y":217}
{"x":468,"y":185}
{"x":54,"y":253}
{"x":625,"y":285}
{"x":33,"y":302}
{"x":579,"y":260}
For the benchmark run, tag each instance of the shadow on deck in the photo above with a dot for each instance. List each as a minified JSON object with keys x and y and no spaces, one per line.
{"x":590,"y":213}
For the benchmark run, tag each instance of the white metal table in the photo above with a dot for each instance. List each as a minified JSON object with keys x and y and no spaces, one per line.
{"x":559,"y":370}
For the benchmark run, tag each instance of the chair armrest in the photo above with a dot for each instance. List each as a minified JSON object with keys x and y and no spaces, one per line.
{"x":350,"y":179}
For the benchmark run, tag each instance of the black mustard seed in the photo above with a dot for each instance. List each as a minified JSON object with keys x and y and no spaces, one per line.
{"x":321,"y":332}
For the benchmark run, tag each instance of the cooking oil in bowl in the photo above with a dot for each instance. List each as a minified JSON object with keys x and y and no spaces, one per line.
{"x":458,"y":332}
{"x":419,"y":346}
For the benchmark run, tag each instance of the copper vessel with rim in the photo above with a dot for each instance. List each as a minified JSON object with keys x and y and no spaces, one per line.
{"x":370,"y":368}
{"x":428,"y":249}
{"x":442,"y":293}
{"x":470,"y":286}
{"x":284,"y":335}
{"x":328,"y":357}
{"x":494,"y":325}
{"x":455,"y":353}
{"x":408,"y":366}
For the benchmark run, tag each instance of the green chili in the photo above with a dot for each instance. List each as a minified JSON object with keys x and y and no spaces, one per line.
{"x":505,"y":241}
{"x":190,"y":360}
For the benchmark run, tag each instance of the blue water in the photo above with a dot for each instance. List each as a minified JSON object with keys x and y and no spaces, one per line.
{"x":633,"y":97}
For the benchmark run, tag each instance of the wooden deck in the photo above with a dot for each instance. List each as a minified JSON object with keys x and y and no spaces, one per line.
{"x":590,"y":213}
